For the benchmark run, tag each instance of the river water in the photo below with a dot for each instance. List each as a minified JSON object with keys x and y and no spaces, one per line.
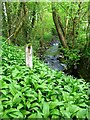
{"x":52,"y":57}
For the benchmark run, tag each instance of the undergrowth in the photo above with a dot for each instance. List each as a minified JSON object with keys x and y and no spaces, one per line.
{"x":39,"y":92}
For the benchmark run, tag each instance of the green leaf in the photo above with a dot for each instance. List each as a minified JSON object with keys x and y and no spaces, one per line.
{"x":16,"y":99}
{"x":33,"y":115}
{"x":15,"y":72}
{"x":65,"y":96}
{"x":35,"y":109}
{"x":65,"y":113}
{"x":5,"y":116}
{"x":35,"y":105}
{"x":16,"y":114}
{"x":11,"y":110}
{"x":3,"y":84}
{"x":54,"y":97}
{"x":12,"y":89}
{"x":72,"y":108}
{"x":55,"y":112}
{"x":45,"y":109}
{"x":55,"y":116}
{"x":39,"y":114}
{"x":4,"y":98}
{"x":1,"y":109}
{"x":83,"y":105}
{"x":28,"y":104}
{"x":82,"y":113}
{"x":4,"y":92}
{"x":13,"y":116}
{"x":25,"y":112}
{"x":39,"y":95}
{"x":20,"y":106}
{"x":55,"y":104}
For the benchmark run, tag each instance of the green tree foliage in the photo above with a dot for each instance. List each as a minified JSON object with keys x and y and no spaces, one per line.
{"x":38,"y":21}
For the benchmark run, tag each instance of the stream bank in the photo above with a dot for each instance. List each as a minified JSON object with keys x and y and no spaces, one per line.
{"x":54,"y":59}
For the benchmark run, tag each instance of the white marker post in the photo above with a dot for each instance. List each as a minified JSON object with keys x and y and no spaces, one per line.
{"x":29,"y":55}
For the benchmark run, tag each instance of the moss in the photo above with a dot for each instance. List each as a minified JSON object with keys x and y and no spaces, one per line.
{"x":29,"y":44}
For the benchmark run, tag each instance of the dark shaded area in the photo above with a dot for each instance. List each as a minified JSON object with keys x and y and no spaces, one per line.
{"x":73,"y":70}
{"x":84,"y":68}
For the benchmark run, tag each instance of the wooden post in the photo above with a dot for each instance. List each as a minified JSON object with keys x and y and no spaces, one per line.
{"x":29,"y":55}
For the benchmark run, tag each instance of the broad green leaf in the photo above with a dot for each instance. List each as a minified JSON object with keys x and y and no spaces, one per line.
{"x":39,"y":95}
{"x":72,"y":108}
{"x":33,"y":115}
{"x":20,"y":106}
{"x":15,"y":72}
{"x":1,"y":109}
{"x":18,"y":87}
{"x":83,"y":105}
{"x":28,"y":104}
{"x":66,"y":96}
{"x":39,"y":114}
{"x":8,"y":103}
{"x":3,"y":84}
{"x":82,"y":113}
{"x":55,"y":104}
{"x":29,"y":95}
{"x":4,"y":92}
{"x":55,"y":112}
{"x":12,"y":89}
{"x":16,"y":114}
{"x":16,"y":99}
{"x":25,"y":112}
{"x":11,"y":110}
{"x":45,"y":109}
{"x":4,"y":98}
{"x":21,"y":95}
{"x":55,"y":116}
{"x":35,"y":109}
{"x":35,"y":105}
{"x":54,"y":97}
{"x":65,"y":113}
{"x":5,"y":116}
{"x":13,"y":115}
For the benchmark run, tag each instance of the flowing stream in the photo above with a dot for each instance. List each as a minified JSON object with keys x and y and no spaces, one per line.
{"x":51,"y":57}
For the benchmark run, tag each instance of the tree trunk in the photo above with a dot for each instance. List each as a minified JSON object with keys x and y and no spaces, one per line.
{"x":8,"y":11}
{"x":55,"y":19}
{"x":88,"y":28}
{"x":61,"y":26}
{"x":29,"y":56}
{"x":73,"y":34}
{"x":33,"y":15}
{"x":66,"y":28}
{"x":4,"y":22}
{"x":20,"y":25}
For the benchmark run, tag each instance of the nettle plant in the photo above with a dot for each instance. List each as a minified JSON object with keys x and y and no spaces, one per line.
{"x":39,"y":92}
